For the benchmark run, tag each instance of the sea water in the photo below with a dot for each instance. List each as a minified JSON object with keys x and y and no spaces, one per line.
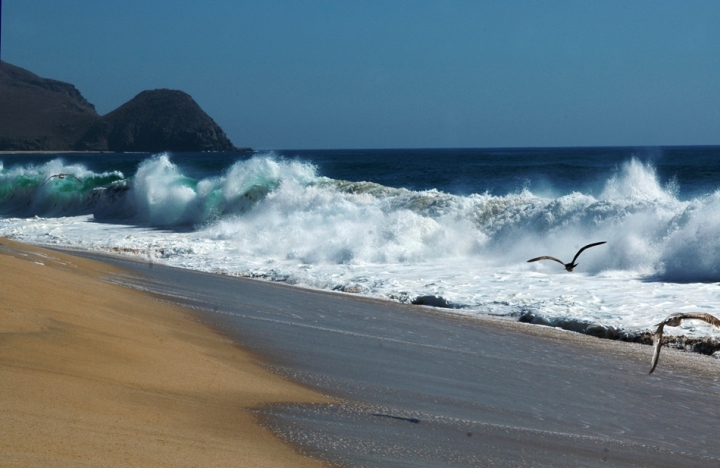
{"x":451,"y":228}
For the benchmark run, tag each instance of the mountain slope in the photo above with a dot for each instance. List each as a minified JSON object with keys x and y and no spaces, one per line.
{"x":40,"y":114}
{"x":157,"y":120}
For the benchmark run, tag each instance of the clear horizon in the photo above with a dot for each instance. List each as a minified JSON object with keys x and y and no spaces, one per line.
{"x":422,"y":74}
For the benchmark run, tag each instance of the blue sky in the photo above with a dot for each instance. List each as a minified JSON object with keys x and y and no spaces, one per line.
{"x":394,"y":74}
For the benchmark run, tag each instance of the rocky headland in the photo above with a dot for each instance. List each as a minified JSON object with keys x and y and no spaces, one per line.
{"x":41,"y":114}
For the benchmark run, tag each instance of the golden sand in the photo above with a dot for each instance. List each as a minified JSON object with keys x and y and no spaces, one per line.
{"x":95,"y":374}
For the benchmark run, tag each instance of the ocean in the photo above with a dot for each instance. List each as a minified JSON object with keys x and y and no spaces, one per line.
{"x":452,"y":228}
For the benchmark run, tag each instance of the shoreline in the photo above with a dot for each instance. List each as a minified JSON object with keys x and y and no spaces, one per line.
{"x":703,"y":346}
{"x":413,"y":382}
{"x":54,"y":152}
{"x":237,"y":150}
{"x":96,"y":373}
{"x":405,"y":381}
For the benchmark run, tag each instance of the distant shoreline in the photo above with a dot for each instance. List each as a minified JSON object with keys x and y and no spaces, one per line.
{"x":238,"y":150}
{"x":56,"y":152}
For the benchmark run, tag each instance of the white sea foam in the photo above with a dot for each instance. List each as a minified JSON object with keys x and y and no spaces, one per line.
{"x":275,"y":219}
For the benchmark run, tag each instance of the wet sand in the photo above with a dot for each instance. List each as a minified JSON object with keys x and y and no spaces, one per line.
{"x":97,"y":374}
{"x":418,"y":387}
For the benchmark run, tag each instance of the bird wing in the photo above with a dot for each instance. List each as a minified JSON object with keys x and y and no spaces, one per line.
{"x":60,"y":176}
{"x":46,"y":180}
{"x":712,"y":320}
{"x":546,"y":257}
{"x":586,"y":247}
{"x":657,"y":343}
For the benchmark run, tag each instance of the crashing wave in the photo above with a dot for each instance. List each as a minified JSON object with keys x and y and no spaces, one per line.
{"x":282,"y":209}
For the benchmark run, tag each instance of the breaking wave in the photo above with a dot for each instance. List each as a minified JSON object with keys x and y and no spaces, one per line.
{"x":283,"y":209}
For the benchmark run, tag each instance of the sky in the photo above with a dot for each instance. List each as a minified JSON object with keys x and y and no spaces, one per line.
{"x":340,"y":74}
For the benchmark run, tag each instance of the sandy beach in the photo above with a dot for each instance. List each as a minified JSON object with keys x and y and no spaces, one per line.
{"x":419,"y":387}
{"x":95,"y":374}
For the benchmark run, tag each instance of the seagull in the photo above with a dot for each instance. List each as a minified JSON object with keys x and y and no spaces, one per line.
{"x":571,"y":265}
{"x":674,"y":320}
{"x":60,"y":176}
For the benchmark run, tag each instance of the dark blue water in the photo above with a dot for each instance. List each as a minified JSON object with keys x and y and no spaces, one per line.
{"x":558,"y":171}
{"x":501,"y":171}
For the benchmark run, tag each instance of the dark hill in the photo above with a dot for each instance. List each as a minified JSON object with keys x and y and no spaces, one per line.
{"x":39,"y":114}
{"x":157,"y":120}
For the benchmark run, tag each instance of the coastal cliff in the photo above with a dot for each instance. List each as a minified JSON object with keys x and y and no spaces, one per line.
{"x":157,"y":120}
{"x":41,"y":114}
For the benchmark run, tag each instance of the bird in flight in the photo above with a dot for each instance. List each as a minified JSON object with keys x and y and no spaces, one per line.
{"x":568,"y":266}
{"x":674,"y":320}
{"x":60,"y":176}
